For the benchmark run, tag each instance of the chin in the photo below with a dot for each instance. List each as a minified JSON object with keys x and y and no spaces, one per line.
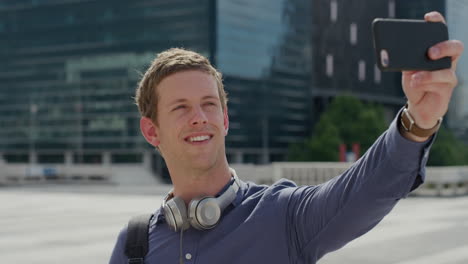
{"x":203,"y":162}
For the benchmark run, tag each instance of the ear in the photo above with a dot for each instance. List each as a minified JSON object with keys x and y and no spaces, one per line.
{"x":150,"y":131}
{"x":226,"y":121}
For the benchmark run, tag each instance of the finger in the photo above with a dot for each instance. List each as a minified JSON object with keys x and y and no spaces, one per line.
{"x":434,"y":16}
{"x":438,"y":88}
{"x":408,"y":72}
{"x":423,"y":82}
{"x":446,"y":76}
{"x":406,"y":76}
{"x":449,"y":48}
{"x":421,"y":93}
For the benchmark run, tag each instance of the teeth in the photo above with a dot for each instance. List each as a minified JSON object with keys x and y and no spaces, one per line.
{"x":199,"y":138}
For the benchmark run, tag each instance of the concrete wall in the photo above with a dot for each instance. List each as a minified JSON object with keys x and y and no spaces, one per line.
{"x":439,"y":180}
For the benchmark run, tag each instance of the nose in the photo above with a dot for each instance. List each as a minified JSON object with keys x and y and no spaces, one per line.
{"x":199,"y":117}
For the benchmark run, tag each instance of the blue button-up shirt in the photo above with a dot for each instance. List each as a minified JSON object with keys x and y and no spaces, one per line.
{"x":284,"y":223}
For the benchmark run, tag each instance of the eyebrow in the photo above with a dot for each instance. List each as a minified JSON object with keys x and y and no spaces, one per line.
{"x":182,"y":100}
{"x":210,"y":97}
{"x":177,"y":101}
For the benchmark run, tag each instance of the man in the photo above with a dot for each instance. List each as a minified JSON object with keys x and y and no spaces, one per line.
{"x":183,"y":104}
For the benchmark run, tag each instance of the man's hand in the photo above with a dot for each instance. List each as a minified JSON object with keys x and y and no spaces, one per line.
{"x":429,"y":92}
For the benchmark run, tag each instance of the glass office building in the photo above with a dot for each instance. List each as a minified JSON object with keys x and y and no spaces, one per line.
{"x":417,"y":9}
{"x":457,"y":20}
{"x":70,"y":68}
{"x":344,"y":54}
{"x":264,"y":50}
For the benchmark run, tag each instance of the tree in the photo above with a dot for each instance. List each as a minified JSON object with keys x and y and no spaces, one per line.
{"x":346,"y":120}
{"x":322,"y":147}
{"x":448,"y":150}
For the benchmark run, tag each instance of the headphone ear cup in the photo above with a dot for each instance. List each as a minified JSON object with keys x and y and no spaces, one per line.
{"x":204,"y":213}
{"x":176,"y":214}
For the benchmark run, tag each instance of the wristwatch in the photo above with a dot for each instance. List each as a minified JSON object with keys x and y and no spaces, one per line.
{"x":408,"y":124}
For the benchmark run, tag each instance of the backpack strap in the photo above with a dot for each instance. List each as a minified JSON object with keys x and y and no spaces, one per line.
{"x":136,"y":245}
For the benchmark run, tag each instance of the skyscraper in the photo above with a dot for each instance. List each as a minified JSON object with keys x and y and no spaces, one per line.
{"x":458,"y":111}
{"x":70,"y":69}
{"x":264,"y":50}
{"x":344,"y":59}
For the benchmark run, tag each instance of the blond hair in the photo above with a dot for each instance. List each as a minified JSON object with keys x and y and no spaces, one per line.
{"x":166,"y":63}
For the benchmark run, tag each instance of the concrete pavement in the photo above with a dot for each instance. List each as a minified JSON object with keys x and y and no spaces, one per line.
{"x":79,"y":224}
{"x":418,"y":231}
{"x":46,"y":225}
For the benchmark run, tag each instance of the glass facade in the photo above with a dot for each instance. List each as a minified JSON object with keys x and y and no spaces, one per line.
{"x":264,"y":51}
{"x":417,"y":9}
{"x":344,"y":53}
{"x":458,"y":111}
{"x":69,"y":70}
{"x":344,"y":59}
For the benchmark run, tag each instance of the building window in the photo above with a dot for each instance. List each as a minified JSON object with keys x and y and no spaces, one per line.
{"x":362,"y":71}
{"x":377,"y":74}
{"x":70,"y":19}
{"x":329,"y":65}
{"x":353,"y":33}
{"x":108,"y":15}
{"x":333,"y":10}
{"x":108,"y":37}
{"x":391,"y":8}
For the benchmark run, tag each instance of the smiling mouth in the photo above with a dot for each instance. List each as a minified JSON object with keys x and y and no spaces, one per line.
{"x":198,"y":139}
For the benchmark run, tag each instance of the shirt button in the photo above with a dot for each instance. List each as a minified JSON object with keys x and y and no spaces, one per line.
{"x":188,"y":256}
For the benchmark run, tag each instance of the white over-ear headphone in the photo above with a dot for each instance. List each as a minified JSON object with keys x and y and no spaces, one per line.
{"x":203,"y":213}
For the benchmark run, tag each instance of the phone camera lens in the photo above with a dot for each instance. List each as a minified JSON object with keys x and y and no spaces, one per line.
{"x":384,"y":58}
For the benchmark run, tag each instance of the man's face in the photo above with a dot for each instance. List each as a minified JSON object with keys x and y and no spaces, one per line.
{"x":191,"y":122}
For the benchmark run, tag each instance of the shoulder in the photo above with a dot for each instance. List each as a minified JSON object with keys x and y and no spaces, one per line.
{"x":122,"y":237}
{"x":280,"y":190}
{"x":118,"y":254}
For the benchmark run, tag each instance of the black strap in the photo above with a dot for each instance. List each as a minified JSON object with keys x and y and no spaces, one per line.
{"x":136,"y":245}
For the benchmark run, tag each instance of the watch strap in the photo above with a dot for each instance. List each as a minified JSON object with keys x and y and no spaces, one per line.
{"x":409,"y":125}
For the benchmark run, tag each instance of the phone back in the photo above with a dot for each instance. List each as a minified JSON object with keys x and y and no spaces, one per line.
{"x":402,"y":44}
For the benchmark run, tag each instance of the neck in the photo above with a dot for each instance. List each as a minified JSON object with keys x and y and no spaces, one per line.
{"x":190,"y":183}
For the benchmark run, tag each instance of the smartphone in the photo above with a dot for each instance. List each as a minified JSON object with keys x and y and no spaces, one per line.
{"x":403,"y":44}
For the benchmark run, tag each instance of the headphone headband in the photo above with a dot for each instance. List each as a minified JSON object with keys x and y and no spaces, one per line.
{"x":230,"y":194}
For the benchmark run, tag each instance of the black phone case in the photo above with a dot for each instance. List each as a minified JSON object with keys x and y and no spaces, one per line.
{"x":407,"y":43}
